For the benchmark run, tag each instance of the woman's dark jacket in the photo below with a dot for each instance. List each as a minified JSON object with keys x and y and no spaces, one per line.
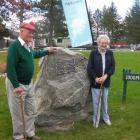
{"x":95,"y":67}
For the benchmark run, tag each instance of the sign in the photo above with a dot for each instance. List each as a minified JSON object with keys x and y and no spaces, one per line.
{"x":128,"y":76}
{"x":67,"y":67}
{"x":132,"y":77}
{"x":77,"y":22}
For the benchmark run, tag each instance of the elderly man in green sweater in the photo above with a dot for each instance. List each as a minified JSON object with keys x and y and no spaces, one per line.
{"x":20,"y":68}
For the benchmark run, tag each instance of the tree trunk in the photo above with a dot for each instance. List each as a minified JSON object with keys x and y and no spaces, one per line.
{"x":2,"y":43}
{"x":21,"y":10}
{"x":51,"y":24}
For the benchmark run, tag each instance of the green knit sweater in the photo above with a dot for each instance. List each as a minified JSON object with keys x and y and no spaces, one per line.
{"x":20,"y":64}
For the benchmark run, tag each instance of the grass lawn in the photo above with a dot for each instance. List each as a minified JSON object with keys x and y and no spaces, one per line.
{"x":125,"y":118}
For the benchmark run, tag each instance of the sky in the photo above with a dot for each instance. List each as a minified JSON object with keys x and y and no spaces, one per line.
{"x":122,"y":5}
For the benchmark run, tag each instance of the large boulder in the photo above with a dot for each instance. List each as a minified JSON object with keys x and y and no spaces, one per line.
{"x":62,"y":90}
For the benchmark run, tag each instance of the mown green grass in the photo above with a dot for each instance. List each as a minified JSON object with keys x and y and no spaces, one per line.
{"x":125,"y":118}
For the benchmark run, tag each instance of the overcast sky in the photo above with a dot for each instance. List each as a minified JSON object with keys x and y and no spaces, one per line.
{"x":122,"y":5}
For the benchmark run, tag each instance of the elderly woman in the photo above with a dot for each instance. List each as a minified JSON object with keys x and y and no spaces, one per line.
{"x":101,"y":66}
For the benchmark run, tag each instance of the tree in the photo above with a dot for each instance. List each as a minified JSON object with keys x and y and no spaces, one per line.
{"x":97,"y":16}
{"x":133,"y":23}
{"x":55,"y":16}
{"x":6,"y":7}
{"x":41,"y":31}
{"x":4,"y":32}
{"x":111,"y":21}
{"x":14,"y":6}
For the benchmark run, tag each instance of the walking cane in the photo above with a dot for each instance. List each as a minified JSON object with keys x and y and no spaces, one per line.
{"x":99,"y":106}
{"x":22,"y":114}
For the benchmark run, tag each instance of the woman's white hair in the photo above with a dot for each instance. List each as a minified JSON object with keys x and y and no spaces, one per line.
{"x":103,"y":37}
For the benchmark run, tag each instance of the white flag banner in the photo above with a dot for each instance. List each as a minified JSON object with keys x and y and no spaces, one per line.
{"x":77,"y":22}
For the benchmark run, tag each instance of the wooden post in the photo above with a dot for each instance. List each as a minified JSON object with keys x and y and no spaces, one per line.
{"x":125,"y":72}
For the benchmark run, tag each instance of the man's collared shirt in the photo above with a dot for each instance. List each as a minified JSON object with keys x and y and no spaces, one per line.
{"x":27,"y":46}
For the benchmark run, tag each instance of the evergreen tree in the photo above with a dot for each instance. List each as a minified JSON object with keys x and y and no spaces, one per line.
{"x":97,"y":16}
{"x":55,"y":17}
{"x":110,"y":21}
{"x":133,"y":23}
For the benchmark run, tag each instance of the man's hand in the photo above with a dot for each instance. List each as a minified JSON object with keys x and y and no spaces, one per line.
{"x":52,"y":50}
{"x":18,"y":90}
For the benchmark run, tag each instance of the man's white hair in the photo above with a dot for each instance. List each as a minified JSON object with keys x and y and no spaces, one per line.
{"x":103,"y":37}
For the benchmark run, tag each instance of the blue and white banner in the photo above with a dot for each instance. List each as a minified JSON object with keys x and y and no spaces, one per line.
{"x":77,"y":22}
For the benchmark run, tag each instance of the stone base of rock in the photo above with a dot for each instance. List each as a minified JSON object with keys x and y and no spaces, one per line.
{"x":62,"y":90}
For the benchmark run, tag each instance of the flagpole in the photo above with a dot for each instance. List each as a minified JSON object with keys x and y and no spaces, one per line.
{"x":89,"y":23}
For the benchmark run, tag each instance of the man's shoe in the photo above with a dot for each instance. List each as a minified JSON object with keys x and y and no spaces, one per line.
{"x":34,"y":138}
{"x":20,"y":139}
{"x":107,"y":122}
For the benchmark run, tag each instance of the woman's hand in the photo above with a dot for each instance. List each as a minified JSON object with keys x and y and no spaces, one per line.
{"x":101,"y":80}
